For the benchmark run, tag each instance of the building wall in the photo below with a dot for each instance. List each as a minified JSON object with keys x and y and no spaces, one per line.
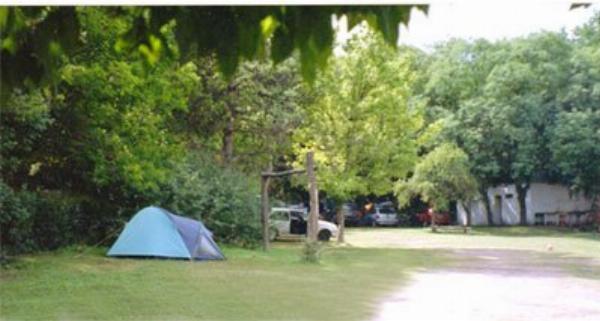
{"x":556,"y":198}
{"x":541,"y":198}
{"x":478,"y":215}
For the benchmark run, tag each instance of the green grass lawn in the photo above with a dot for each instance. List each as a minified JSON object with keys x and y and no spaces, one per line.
{"x":250,"y":285}
{"x":254,"y":285}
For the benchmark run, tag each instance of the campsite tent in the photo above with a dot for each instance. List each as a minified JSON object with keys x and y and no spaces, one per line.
{"x":156,"y":232}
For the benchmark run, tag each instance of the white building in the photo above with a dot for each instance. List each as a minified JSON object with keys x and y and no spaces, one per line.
{"x":546,"y":204}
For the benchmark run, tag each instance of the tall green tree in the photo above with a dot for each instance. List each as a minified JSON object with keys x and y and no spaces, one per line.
{"x":109,"y":128}
{"x":526,"y":88}
{"x":97,"y":144}
{"x":455,"y":83}
{"x":503,"y":115}
{"x":249,"y":119}
{"x":576,"y":137}
{"x":362,"y":125}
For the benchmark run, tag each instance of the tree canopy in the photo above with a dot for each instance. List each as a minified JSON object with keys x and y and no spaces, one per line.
{"x":362,"y":124}
{"x":514,"y":105}
{"x":37,"y":40}
{"x":440,"y":177}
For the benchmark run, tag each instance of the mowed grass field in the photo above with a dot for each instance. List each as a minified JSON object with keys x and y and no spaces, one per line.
{"x":348,"y":283}
{"x":250,"y":285}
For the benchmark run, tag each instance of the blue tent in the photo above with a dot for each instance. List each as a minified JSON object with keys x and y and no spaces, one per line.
{"x":156,"y":232}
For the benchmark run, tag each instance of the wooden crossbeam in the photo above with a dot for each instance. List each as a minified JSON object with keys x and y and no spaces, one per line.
{"x":283,"y":173}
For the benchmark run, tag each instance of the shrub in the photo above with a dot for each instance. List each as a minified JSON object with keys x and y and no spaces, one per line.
{"x":32,"y":221}
{"x":45,"y":220}
{"x":222,"y":198}
{"x":16,"y":210}
{"x":311,"y":251}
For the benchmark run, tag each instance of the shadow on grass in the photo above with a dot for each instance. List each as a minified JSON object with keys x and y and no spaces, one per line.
{"x":524,"y":263}
{"x":537,"y":231}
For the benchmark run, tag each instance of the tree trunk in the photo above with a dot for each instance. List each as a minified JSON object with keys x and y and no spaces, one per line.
{"x":228,"y":132}
{"x":522,"y":195}
{"x":467,"y":208}
{"x":341,"y":224}
{"x":596,"y":212}
{"x":433,"y":224}
{"x":488,"y":207}
{"x":265,"y":209}
{"x":468,"y":212}
{"x":313,"y":216}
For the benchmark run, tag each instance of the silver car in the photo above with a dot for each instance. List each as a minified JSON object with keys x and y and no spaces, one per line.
{"x":385,"y":214}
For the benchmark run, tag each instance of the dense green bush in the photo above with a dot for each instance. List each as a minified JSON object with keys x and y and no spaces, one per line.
{"x":45,"y":220}
{"x":223,"y":198}
{"x":15,"y":219}
{"x":32,"y":221}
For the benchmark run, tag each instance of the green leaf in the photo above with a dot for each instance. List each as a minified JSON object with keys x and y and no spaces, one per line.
{"x":282,"y":45}
{"x":228,"y":59}
{"x":4,"y":11}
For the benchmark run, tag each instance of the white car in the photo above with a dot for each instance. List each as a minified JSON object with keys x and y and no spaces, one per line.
{"x":291,"y":223}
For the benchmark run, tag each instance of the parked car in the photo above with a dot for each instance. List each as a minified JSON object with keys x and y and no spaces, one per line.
{"x":385,"y":214}
{"x":326,"y":213}
{"x":441,"y":218}
{"x":287,"y":223}
{"x":351,"y":214}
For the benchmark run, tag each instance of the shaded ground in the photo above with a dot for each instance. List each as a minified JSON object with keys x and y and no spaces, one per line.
{"x":562,"y":241}
{"x":500,"y":277}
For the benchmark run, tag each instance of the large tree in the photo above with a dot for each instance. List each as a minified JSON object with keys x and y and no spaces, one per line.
{"x":362,"y":125}
{"x":525,"y":88}
{"x":440,"y":177}
{"x":575,"y":142}
{"x":248,"y":119}
{"x":98,"y":143}
{"x":110,"y":119}
{"x":454,"y":84}
{"x":503,"y":114}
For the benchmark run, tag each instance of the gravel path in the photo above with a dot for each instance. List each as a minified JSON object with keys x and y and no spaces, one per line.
{"x":500,"y":285}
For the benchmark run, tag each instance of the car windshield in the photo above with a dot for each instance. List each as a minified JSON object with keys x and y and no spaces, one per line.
{"x":387,"y":209}
{"x":299,"y":214}
{"x":279,"y":216}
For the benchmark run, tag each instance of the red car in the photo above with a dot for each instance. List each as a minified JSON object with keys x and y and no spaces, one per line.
{"x":441,"y":218}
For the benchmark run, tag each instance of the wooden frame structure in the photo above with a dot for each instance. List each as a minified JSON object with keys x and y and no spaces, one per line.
{"x":313,"y":216}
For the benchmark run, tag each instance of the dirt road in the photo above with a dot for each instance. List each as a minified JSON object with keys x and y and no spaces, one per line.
{"x":495,"y":277}
{"x":500,"y":285}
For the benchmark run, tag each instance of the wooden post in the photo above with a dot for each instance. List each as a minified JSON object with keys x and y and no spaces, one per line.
{"x":265,"y":208}
{"x":313,"y":216}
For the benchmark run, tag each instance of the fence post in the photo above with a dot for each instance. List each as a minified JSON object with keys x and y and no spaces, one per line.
{"x":265,"y":209}
{"x":313,"y":216}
